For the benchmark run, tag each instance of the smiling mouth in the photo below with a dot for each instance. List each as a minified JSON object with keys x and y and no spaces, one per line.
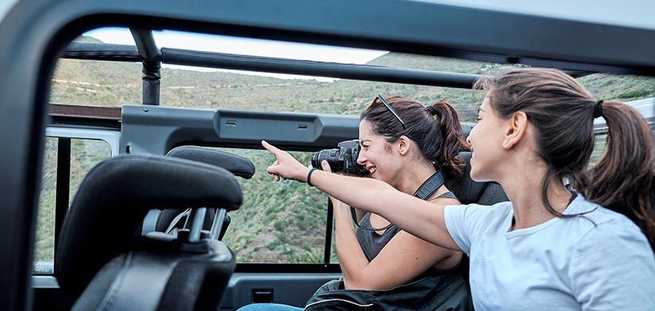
{"x":371,"y":170}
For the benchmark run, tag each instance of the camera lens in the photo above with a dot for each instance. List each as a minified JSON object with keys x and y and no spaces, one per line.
{"x":329,"y":155}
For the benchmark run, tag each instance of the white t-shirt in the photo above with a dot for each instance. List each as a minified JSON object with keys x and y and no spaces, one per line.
{"x":598,"y":261}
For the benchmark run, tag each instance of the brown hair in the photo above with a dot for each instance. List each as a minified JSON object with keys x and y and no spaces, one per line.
{"x":563,"y":112}
{"x":435,"y":129}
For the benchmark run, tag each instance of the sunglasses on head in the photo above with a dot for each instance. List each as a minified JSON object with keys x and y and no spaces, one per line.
{"x":393,"y":111}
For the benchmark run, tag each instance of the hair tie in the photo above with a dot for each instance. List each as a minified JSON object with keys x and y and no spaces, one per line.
{"x":431,"y":110}
{"x":598,"y":109}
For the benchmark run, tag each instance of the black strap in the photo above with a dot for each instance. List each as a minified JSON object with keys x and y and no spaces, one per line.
{"x":424,"y":192}
{"x":430,"y":186}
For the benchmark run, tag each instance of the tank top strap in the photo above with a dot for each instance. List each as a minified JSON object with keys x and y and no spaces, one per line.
{"x":446,"y":195}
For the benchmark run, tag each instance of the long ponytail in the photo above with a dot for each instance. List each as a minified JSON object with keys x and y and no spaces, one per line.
{"x":453,"y":140}
{"x":623,"y":179}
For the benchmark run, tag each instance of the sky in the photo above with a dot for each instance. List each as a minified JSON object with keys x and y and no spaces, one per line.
{"x":244,"y":46}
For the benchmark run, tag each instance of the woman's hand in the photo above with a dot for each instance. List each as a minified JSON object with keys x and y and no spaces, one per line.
{"x":285,"y":165}
{"x":326,"y":167}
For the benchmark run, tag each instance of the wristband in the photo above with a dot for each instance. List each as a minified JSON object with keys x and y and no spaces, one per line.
{"x":309,"y":176}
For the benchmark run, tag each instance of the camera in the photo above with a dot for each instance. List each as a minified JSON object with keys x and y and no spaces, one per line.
{"x":341,"y":159}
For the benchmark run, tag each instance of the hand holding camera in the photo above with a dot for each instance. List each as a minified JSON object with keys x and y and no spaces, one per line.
{"x":342,"y":159}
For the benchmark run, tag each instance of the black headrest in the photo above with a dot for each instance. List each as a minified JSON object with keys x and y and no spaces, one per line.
{"x":238,"y":165}
{"x":468,"y":191}
{"x":105,"y":217}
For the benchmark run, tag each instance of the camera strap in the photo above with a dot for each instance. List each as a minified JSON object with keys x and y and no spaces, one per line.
{"x":424,"y":192}
{"x":430,"y":186}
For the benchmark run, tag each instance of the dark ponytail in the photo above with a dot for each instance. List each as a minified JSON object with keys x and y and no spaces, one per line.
{"x":435,"y":129}
{"x":563,"y":113}
{"x":623,"y":179}
{"x":453,"y":140}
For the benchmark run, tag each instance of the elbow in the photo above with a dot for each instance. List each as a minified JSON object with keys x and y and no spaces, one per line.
{"x":363,"y":284}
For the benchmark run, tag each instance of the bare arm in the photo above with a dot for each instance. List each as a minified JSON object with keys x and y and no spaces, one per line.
{"x":420,"y":218}
{"x":404,"y":258}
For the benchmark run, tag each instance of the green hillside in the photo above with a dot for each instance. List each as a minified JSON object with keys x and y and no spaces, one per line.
{"x":279,"y":222}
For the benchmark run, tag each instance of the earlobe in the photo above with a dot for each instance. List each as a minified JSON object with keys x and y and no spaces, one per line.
{"x":516,"y":127}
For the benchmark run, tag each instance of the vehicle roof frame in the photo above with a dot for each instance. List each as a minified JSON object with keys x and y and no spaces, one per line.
{"x":34,"y":32}
{"x":151,"y":65}
{"x":366,"y":72}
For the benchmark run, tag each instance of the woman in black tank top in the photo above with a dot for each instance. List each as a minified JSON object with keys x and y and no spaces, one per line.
{"x":403,"y":143}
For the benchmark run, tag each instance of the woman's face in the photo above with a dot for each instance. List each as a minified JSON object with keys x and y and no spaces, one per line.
{"x":486,"y":143}
{"x":376,"y":154}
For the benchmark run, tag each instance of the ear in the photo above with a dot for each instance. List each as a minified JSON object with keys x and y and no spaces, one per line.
{"x":403,"y":145}
{"x":517,"y":125}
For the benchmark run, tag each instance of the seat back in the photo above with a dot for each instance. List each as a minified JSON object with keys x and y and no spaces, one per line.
{"x":468,"y":191}
{"x":103,"y":258}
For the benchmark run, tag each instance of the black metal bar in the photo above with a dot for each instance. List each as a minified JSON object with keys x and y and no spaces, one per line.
{"x":102,"y":52}
{"x":328,"y":233}
{"x":314,"y":68}
{"x":63,"y":184}
{"x":145,"y":43}
{"x":278,"y":65}
{"x":115,"y":52}
{"x":147,"y":48}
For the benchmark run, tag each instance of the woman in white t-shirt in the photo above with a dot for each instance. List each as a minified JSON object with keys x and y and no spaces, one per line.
{"x":548,"y":248}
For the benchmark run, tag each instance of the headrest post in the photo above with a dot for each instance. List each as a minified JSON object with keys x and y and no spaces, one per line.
{"x":197,"y":221}
{"x":217,"y":224}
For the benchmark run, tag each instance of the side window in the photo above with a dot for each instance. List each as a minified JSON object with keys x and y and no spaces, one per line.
{"x":279,"y":222}
{"x":77,"y":157}
{"x":44,"y":246}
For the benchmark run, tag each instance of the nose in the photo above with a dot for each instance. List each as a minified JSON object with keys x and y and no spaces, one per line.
{"x":361,"y":158}
{"x":468,"y":139}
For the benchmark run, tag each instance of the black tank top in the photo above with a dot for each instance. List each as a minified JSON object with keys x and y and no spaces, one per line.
{"x":372,"y":242}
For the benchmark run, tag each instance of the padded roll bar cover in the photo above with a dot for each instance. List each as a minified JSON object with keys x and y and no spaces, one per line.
{"x":237,"y":165}
{"x":468,"y":191}
{"x":105,"y":217}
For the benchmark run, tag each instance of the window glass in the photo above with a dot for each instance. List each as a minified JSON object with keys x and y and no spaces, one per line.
{"x":44,"y":246}
{"x":279,"y":222}
{"x":96,"y":83}
{"x":621,"y":87}
{"x":184,"y":86}
{"x":85,"y":153}
{"x":626,"y":88}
